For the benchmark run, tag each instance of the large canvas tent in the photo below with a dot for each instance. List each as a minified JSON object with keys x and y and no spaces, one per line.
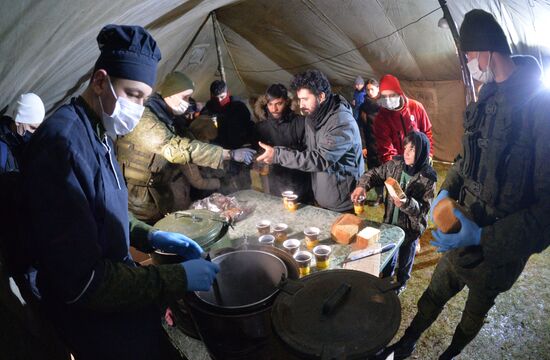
{"x":48,"y":46}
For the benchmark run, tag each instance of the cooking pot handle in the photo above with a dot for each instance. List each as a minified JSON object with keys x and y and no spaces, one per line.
{"x":336,"y":298}
{"x":290,"y":286}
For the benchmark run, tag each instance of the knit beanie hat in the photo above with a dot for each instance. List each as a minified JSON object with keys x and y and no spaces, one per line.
{"x":480,"y":31}
{"x":29,"y":110}
{"x":390,"y":82}
{"x":359,"y":80}
{"x":174,"y":83}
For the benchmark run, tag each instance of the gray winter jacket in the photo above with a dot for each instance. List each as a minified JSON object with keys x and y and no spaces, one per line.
{"x":332,"y":156}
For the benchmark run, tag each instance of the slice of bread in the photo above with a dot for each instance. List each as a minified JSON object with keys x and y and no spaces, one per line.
{"x":367,"y":237}
{"x":345,"y":228}
{"x":394,"y":189}
{"x":444,"y":218}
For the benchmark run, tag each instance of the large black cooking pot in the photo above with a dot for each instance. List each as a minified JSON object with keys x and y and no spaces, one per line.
{"x":335,"y":314}
{"x":239,"y":326}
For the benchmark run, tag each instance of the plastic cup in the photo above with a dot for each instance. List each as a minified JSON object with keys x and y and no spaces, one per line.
{"x":286,"y":194}
{"x":303,"y":258}
{"x":291,"y":246}
{"x":279,"y":230}
{"x":264,"y":169}
{"x":322,"y":256}
{"x":359,"y":205}
{"x":312,"y":236}
{"x":264,"y":227}
{"x":292,"y":203}
{"x":268,"y":240}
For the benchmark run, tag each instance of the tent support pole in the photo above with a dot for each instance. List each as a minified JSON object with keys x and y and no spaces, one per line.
{"x":232,"y":59}
{"x":218,"y":49}
{"x":466,"y":77}
{"x":191,"y":43}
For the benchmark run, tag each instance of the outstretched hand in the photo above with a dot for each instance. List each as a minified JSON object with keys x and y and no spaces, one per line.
{"x":268,"y":155}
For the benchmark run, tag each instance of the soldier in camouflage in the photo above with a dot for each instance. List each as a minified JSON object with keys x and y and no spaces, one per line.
{"x":503,"y":181}
{"x":152,"y":154}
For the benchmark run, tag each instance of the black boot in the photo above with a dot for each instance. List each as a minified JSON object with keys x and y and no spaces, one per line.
{"x":449,"y":354}
{"x":403,"y":348}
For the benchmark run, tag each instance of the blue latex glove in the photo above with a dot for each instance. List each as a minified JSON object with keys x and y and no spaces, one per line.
{"x":175,"y":243}
{"x":200,"y":274}
{"x":442,"y":194}
{"x":243,"y":155}
{"x":469,"y":234}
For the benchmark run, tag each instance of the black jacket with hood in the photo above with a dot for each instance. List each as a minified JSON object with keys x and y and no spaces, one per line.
{"x":288,"y":131}
{"x":420,"y":190}
{"x":332,"y":156}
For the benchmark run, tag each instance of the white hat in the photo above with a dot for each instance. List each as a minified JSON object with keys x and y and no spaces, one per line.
{"x":29,"y":110}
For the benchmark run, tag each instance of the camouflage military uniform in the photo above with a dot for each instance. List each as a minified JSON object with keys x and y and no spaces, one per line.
{"x":151,"y":157}
{"x":503,"y":179}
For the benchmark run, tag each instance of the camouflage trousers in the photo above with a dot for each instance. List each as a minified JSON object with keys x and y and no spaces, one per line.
{"x":444,"y":285}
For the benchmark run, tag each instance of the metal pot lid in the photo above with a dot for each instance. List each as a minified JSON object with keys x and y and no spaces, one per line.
{"x":246,"y":278}
{"x":203,"y":226}
{"x":336,"y":314}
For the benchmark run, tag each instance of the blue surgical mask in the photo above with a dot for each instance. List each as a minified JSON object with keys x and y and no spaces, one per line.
{"x":390,"y":103}
{"x":124,"y":118}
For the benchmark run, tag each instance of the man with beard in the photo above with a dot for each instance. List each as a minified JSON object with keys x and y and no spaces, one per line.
{"x":280,"y":126}
{"x":333,"y":145}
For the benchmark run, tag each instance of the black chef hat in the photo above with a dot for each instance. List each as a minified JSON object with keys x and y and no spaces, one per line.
{"x":128,"y":52}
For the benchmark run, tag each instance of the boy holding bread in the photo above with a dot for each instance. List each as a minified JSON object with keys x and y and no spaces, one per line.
{"x":411,"y":183}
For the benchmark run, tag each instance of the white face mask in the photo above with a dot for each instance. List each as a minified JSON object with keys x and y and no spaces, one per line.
{"x":125,"y":116}
{"x":181,"y":108}
{"x":390,"y":103}
{"x":486,"y":76}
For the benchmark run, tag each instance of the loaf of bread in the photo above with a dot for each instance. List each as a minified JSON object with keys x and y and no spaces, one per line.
{"x":394,"y":189}
{"x":366,"y":237}
{"x":345,"y":228}
{"x":444,"y":218}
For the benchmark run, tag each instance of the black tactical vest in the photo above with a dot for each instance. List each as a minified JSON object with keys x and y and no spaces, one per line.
{"x":497,"y":167}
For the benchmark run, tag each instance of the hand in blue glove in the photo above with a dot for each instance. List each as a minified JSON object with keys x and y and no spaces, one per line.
{"x":175,"y":243}
{"x":442,"y":194}
{"x":200,"y":274}
{"x":469,"y":234}
{"x":243,"y":155}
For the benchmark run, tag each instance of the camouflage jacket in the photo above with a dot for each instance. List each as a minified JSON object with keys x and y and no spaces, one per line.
{"x":420,"y":191}
{"x":151,"y":157}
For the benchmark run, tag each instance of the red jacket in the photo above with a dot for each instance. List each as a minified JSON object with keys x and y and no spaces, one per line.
{"x":391,"y":127}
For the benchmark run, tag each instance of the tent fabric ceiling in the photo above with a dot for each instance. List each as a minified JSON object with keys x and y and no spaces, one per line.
{"x":48,"y":47}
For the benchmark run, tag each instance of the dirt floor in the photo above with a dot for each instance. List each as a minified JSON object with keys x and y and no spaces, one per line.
{"x":518,"y":326}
